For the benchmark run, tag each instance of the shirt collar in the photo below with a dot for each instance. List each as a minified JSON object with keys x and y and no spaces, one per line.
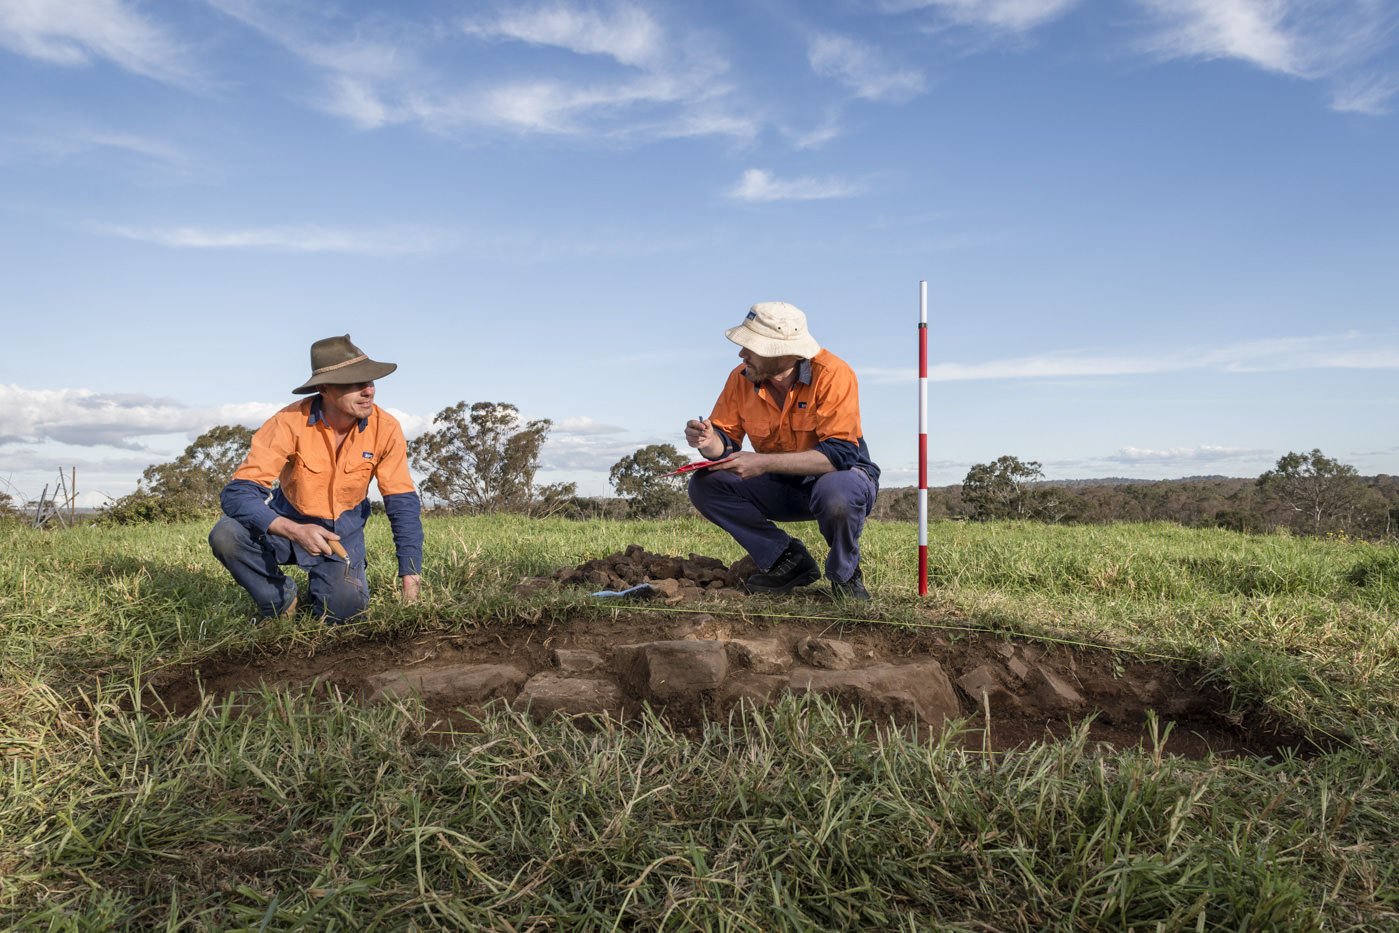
{"x":317,"y":416}
{"x":803,"y":374}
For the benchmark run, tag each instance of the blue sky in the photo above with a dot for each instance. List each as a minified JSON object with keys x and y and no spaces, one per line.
{"x":1161,"y":237}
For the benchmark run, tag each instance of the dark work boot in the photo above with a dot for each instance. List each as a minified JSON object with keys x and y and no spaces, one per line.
{"x":851,"y":590}
{"x":792,"y":569}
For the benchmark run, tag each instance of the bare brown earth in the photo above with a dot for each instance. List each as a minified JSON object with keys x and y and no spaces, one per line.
{"x":695,"y":648}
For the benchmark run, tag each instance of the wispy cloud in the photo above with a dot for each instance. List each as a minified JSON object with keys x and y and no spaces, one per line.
{"x":50,"y":143}
{"x":1312,"y":39}
{"x":77,"y":33}
{"x":1350,"y":351}
{"x":1009,"y":15}
{"x":1205,"y":453}
{"x":864,"y":68}
{"x":1367,"y":93}
{"x":664,"y":83}
{"x":1340,"y":42}
{"x":760,"y":185}
{"x":626,"y":75}
{"x":299,"y":239}
{"x":624,"y":32}
{"x":584,"y":427}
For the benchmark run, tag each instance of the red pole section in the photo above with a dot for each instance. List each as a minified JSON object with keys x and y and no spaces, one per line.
{"x":923,"y":438}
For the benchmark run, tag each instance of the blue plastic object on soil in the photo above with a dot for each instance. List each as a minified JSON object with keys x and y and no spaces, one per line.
{"x":640,"y":591}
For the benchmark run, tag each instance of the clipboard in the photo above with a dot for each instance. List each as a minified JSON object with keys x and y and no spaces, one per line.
{"x":696,"y":465}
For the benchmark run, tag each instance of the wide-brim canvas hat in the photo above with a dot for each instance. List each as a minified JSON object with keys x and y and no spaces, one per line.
{"x":336,"y":361}
{"x":775,"y":328}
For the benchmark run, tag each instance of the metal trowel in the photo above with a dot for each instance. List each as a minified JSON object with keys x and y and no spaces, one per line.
{"x":344,"y":555}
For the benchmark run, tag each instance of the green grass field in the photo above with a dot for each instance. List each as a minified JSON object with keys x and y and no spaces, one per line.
{"x":292,"y":814}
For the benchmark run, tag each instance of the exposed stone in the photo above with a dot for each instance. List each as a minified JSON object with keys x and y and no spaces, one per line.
{"x":765,"y":656}
{"x":700,"y":625}
{"x":758,"y":691}
{"x":826,"y":653}
{"x":576,"y":661}
{"x":550,"y":692}
{"x":463,"y":685}
{"x":984,"y":685}
{"x":885,"y":691}
{"x":1053,"y":691}
{"x":662,"y":670}
{"x":1019,"y":668}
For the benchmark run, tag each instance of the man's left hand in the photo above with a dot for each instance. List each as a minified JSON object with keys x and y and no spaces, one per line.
{"x":746,"y":463}
{"x":409,"y":582}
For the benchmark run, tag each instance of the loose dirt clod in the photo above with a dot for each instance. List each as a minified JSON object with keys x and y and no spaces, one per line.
{"x":694,"y":667}
{"x":676,"y":579}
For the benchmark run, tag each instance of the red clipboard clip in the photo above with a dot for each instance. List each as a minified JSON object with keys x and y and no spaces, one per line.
{"x":697,"y":465}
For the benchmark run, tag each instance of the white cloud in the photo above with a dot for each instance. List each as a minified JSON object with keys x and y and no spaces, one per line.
{"x":301,"y":239}
{"x":1010,"y":15}
{"x":1204,"y":453}
{"x":624,"y":32}
{"x":669,"y":85}
{"x":413,"y":425}
{"x":627,"y":76}
{"x":760,"y":185}
{"x":1350,"y":351}
{"x":1368,"y":94}
{"x":85,"y":418}
{"x":816,"y":137}
{"x":584,"y":426}
{"x":1312,"y":39}
{"x":574,"y":453}
{"x":1252,"y":30}
{"x":79,"y":32}
{"x":108,"y":148}
{"x":863,"y":68}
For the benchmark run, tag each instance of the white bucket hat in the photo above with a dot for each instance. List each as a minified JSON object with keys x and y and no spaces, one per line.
{"x":775,"y":328}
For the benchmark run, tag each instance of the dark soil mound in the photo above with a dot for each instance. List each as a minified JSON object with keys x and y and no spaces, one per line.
{"x":673,"y":579}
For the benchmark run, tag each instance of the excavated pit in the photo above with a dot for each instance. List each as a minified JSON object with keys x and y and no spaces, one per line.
{"x":699,"y":649}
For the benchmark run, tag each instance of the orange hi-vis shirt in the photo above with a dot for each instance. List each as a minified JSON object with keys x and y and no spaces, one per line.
{"x":822,"y":411}
{"x":298,"y":451}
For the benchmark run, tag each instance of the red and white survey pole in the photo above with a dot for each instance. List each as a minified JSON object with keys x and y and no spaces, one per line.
{"x":923,"y":438}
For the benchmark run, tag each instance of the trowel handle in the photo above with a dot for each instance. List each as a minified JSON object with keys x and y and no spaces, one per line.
{"x":339,"y":550}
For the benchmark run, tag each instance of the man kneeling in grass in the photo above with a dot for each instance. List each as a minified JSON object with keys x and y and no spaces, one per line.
{"x":321,"y":453}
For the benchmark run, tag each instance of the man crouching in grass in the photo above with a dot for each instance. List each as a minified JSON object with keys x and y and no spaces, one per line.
{"x":321,"y":453}
{"x":800,"y":406}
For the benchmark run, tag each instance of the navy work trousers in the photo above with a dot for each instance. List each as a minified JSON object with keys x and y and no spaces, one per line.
{"x":256,"y":560}
{"x":839,"y":502}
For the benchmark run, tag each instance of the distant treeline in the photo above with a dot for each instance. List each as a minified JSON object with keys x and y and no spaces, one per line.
{"x":1238,"y":503}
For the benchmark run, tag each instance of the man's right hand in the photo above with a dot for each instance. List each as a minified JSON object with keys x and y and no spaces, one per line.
{"x":700,"y":434}
{"x":313,"y":538}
